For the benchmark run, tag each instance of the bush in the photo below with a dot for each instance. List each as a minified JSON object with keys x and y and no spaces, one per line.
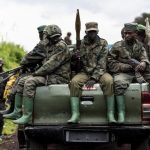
{"x":11,"y":54}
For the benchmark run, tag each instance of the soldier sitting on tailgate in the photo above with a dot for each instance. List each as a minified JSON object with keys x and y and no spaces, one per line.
{"x":128,"y":61}
{"x":29,"y":63}
{"x":57,"y":60}
{"x":93,"y":55}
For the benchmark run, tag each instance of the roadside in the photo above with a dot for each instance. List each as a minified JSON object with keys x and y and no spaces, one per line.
{"x":8,"y":140}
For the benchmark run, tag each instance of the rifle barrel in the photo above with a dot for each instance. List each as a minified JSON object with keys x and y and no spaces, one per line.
{"x":11,"y":71}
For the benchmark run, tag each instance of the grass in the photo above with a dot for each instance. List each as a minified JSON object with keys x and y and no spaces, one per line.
{"x":9,"y":127}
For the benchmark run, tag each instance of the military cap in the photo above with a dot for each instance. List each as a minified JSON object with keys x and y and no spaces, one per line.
{"x":141,"y":27}
{"x":53,"y":30}
{"x":41,"y":28}
{"x":130,"y":27}
{"x":91,"y":26}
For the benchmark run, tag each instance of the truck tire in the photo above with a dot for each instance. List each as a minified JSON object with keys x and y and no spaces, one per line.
{"x":35,"y":145}
{"x":141,"y":145}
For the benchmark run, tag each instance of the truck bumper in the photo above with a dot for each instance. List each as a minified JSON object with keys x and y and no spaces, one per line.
{"x":86,"y":134}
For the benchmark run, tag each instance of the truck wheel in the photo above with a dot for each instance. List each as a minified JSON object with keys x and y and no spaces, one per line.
{"x":141,"y":145}
{"x":35,"y":145}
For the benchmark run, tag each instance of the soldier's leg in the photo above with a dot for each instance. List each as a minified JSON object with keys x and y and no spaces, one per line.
{"x":18,"y":100}
{"x":107,"y":86}
{"x":121,"y":83}
{"x":28,"y":96}
{"x":75,"y":92}
{"x":147,"y":77}
{"x":10,"y":99}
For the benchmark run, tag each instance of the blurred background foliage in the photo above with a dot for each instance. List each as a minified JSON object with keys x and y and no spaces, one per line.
{"x":11,"y":54}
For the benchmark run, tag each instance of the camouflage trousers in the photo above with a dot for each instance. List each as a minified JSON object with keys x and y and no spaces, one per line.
{"x":123,"y":80}
{"x":27,"y":85}
{"x":76,"y":84}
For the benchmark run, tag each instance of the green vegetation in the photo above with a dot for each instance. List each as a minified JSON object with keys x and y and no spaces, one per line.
{"x":9,"y":127}
{"x":11,"y":54}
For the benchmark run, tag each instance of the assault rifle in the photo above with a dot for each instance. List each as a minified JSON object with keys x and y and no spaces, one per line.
{"x":134,"y":63}
{"x":9,"y":73}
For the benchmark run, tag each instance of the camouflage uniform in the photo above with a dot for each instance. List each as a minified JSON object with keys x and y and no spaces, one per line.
{"x":3,"y":76}
{"x":93,"y":58}
{"x":142,"y":37}
{"x":55,"y":70}
{"x":93,"y":55}
{"x":119,"y":54}
{"x":31,"y":62}
{"x":67,"y":39}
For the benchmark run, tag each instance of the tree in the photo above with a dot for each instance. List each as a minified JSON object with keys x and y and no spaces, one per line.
{"x":141,"y":19}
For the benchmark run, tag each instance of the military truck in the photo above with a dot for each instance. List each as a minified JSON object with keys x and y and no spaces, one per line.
{"x":52,"y":110}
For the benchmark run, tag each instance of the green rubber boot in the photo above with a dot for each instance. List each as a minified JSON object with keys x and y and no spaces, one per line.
{"x":28,"y":109}
{"x":17,"y":109}
{"x":110,"y":108}
{"x":121,"y":108}
{"x":75,"y":102}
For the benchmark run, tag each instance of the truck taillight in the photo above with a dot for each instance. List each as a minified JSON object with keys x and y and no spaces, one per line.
{"x":146,"y":106}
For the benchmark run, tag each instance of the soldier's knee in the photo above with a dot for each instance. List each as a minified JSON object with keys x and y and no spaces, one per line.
{"x":74,"y":82}
{"x":120,"y":87}
{"x":30,"y":81}
{"x":107,"y":79}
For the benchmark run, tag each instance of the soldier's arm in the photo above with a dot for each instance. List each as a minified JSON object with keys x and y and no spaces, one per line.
{"x":143,"y":56}
{"x":101,"y":62}
{"x":55,"y":61}
{"x":34,"y":56}
{"x":114,"y":65}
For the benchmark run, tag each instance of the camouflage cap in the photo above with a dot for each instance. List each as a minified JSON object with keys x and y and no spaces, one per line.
{"x":53,"y":30}
{"x":141,"y":27}
{"x":91,"y":26}
{"x":41,"y":28}
{"x":130,"y":27}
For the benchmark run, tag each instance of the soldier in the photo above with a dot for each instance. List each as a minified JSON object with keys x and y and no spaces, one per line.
{"x":3,"y":84}
{"x":141,"y":36}
{"x":67,"y":39}
{"x":93,"y":55}
{"x":30,"y":61}
{"x":57,"y":61}
{"x":126,"y":60}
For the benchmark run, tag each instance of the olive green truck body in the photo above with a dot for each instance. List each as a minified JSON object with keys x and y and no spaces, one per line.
{"x":52,"y":110}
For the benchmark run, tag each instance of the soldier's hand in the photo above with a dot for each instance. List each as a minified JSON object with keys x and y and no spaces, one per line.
{"x":90,"y":83}
{"x":141,"y":66}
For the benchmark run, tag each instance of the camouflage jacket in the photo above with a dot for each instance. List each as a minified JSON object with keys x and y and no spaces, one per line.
{"x":120,"y":53}
{"x":56,"y":66}
{"x":34,"y":57}
{"x":67,"y":40}
{"x":93,"y":57}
